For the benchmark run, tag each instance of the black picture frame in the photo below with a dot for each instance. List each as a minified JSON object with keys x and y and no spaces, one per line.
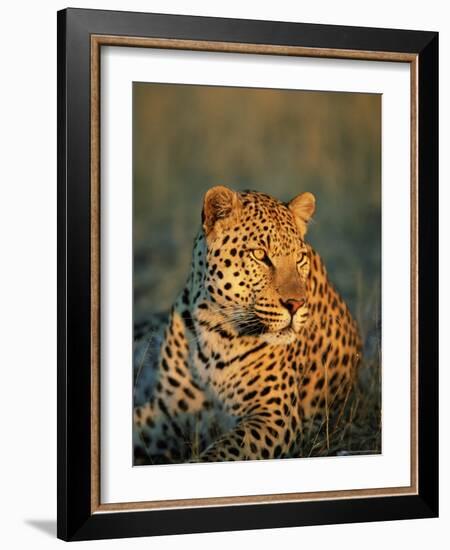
{"x":76,"y":519}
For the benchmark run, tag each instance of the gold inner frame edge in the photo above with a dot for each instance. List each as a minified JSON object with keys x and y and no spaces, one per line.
{"x":97,"y":41}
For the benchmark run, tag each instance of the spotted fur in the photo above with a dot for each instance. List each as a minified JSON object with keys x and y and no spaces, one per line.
{"x":257,"y":345}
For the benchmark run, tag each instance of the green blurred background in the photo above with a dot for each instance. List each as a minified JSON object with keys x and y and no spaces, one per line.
{"x":189,"y":138}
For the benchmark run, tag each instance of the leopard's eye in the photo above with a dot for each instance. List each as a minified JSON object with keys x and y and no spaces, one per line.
{"x":303,"y":263}
{"x":303,"y":259}
{"x":261,"y":256}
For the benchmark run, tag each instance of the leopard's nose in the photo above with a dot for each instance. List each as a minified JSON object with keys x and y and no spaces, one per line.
{"x":292,"y":305}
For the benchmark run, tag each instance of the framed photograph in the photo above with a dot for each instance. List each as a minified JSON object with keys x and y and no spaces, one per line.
{"x":247,"y":252}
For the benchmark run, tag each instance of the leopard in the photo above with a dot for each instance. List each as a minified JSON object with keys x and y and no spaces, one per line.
{"x":257,"y":348}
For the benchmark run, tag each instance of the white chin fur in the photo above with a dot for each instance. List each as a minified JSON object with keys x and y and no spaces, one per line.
{"x":281,"y":338}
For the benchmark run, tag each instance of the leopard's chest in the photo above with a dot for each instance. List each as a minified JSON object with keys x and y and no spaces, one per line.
{"x":250,"y":377}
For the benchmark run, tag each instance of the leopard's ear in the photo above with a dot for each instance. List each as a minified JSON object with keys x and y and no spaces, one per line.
{"x":220,"y":205}
{"x":303,"y":207}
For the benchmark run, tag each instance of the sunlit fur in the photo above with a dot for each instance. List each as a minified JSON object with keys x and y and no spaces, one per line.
{"x":257,"y":347}
{"x":246,"y":293}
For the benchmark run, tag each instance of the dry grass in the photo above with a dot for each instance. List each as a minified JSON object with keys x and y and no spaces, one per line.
{"x":357,"y":430}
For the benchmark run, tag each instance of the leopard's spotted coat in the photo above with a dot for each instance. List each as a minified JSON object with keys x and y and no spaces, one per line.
{"x":257,"y":344}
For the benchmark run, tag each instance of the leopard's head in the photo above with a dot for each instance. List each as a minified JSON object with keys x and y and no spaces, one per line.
{"x":256,"y":261}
